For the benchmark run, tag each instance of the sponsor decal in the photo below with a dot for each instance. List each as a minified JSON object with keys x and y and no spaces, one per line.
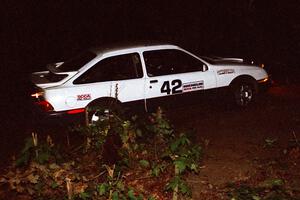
{"x":225,"y":71}
{"x":83,"y":97}
{"x":192,"y":86}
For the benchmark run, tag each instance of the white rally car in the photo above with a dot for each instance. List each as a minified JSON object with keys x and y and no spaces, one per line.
{"x":142,"y":74}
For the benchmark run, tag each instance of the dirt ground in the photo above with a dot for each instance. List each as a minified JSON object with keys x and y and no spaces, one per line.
{"x":245,"y":145}
{"x":239,"y":145}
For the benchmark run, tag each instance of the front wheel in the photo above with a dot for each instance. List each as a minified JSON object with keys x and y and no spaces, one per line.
{"x":244,"y":93}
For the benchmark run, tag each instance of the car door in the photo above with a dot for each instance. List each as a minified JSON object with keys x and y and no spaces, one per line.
{"x":173,"y":76}
{"x":116,"y":76}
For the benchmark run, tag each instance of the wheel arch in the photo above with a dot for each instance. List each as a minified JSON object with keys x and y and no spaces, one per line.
{"x":102,"y":100}
{"x":244,"y":78}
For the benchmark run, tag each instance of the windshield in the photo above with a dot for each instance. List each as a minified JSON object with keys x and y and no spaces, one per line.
{"x":77,"y":62}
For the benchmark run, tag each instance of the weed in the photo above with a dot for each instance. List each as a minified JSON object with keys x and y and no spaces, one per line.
{"x":40,"y":152}
{"x":271,"y":189}
{"x":148,"y":143}
{"x":270,"y":142}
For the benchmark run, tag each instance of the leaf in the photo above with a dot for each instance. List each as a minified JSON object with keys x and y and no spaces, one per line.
{"x":33,"y":178}
{"x":144,"y":163}
{"x":120,"y":186}
{"x":194,"y":167}
{"x":182,"y":141}
{"x":115,"y":196}
{"x":174,"y":145}
{"x":84,"y":195}
{"x":270,"y":183}
{"x":156,"y":171}
{"x":131,"y":195}
{"x":54,"y":185}
{"x":30,"y":190}
{"x":139,"y":132}
{"x":184,"y":188}
{"x":14,"y":182}
{"x":102,"y":189}
{"x":43,"y":157}
{"x":79,"y":188}
{"x":173,"y":183}
{"x":151,"y":198}
{"x":3,"y":180}
{"x":24,"y":158}
{"x":28,"y":145}
{"x":20,"y":189}
{"x":255,"y":197}
{"x":180,"y":164}
{"x":53,"y":166}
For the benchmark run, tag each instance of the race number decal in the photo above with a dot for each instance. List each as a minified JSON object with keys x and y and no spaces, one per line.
{"x":173,"y":88}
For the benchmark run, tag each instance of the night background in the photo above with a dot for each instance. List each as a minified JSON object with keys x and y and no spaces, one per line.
{"x":35,"y":33}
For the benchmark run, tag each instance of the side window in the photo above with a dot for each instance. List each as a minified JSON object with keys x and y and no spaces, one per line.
{"x":171,"y":61}
{"x":113,"y":68}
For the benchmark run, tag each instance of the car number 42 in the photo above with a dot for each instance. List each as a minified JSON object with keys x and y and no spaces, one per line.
{"x":171,"y":88}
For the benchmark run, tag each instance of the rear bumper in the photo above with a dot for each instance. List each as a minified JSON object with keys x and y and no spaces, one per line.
{"x":62,"y":117}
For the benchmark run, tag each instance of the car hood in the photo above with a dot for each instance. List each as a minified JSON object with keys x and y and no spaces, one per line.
{"x":216,"y":60}
{"x":228,"y":60}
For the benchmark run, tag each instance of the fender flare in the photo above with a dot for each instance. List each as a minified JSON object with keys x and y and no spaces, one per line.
{"x":244,"y":78}
{"x":103,"y":100}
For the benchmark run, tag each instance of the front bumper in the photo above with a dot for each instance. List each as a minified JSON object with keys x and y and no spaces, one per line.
{"x":264,"y":84}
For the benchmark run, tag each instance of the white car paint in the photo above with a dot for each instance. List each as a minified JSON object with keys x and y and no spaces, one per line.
{"x":64,"y":95}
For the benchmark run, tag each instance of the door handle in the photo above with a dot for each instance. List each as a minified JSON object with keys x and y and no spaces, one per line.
{"x":153,"y":81}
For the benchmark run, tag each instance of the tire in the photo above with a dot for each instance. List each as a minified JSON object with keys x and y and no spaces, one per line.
{"x":102,"y":109}
{"x":244,"y":93}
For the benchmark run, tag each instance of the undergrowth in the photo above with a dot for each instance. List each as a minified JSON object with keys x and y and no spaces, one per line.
{"x":118,"y":159}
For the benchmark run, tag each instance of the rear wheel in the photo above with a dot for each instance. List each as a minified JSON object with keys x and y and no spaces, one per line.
{"x":244,"y":93}
{"x":101,"y":110}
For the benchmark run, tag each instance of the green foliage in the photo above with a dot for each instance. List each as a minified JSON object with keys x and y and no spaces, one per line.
{"x":144,"y":163}
{"x":25,"y":153}
{"x":149,"y":142}
{"x":178,"y":182}
{"x":84,"y":196}
{"x":159,"y":125}
{"x":114,"y":187}
{"x":271,"y":189}
{"x":157,"y":169}
{"x":184,"y":154}
{"x":41,"y":153}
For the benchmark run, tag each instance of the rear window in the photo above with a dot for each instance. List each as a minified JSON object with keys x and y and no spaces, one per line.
{"x":55,"y":77}
{"x":77,"y":62}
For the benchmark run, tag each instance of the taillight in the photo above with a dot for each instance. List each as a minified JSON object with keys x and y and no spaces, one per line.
{"x":38,"y":98}
{"x":37,"y":95}
{"x":45,"y":106}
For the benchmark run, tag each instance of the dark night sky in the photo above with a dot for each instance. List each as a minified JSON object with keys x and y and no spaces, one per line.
{"x":34,"y":33}
{"x":38,"y":32}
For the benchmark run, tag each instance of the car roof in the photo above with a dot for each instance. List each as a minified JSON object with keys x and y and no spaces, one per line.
{"x":132,"y":45}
